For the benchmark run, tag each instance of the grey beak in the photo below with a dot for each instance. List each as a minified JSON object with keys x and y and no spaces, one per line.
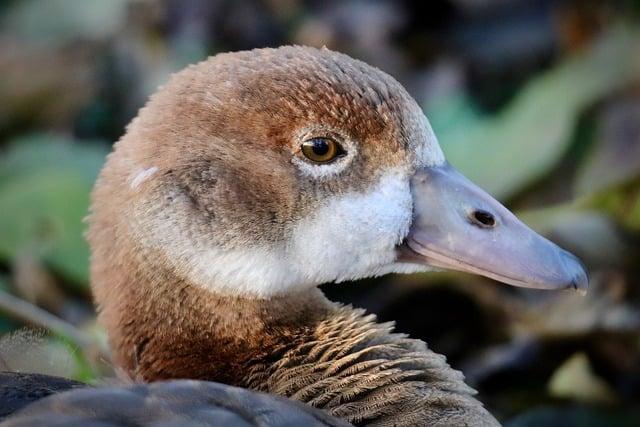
{"x":458,"y":226}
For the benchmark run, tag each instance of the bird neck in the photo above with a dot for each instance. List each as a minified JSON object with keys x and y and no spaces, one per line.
{"x":162,"y":327}
{"x":301,"y":346}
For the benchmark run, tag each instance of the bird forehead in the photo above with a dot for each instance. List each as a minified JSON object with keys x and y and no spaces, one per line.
{"x":246,"y":107}
{"x":331,"y":89}
{"x":271,"y":94}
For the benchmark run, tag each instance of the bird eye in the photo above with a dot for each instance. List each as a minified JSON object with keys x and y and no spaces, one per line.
{"x":321,"y":150}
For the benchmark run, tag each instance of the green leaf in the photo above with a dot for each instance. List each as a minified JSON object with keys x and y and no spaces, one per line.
{"x":44,"y":191}
{"x":60,"y":20}
{"x":621,"y":202}
{"x":508,"y":151}
{"x":6,"y":324}
{"x":615,"y":157}
{"x":575,"y":380}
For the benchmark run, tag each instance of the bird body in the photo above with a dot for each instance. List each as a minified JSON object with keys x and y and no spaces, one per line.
{"x":253,"y":177}
{"x":333,"y":357}
{"x":168,"y":403}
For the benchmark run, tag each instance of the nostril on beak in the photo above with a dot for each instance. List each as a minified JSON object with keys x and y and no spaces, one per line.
{"x":482,"y":218}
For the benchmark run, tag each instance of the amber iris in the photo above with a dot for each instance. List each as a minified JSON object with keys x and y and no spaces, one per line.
{"x":321,"y":150}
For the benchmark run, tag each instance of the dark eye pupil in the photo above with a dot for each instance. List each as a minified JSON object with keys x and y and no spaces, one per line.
{"x":320,"y":146}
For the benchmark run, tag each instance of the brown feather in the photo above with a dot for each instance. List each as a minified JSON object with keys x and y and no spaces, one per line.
{"x":219,"y":135}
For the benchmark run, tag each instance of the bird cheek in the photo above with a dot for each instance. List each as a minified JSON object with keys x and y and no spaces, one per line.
{"x":353,"y":235}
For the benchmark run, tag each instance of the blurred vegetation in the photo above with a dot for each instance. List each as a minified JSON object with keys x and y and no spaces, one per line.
{"x":537,"y":101}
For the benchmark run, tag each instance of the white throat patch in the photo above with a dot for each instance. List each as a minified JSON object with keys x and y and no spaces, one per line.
{"x":352,"y":236}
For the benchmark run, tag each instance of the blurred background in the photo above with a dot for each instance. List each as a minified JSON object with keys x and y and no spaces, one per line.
{"x":538,"y":101}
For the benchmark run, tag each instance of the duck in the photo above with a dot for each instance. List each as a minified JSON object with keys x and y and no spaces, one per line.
{"x":253,"y":177}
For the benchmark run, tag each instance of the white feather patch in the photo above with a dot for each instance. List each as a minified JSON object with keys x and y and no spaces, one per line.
{"x":142,"y":176}
{"x":352,"y":236}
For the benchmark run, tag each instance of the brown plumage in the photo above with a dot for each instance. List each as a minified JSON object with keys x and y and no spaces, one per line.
{"x":212,"y":224}
{"x":335,"y":358}
{"x":207,"y":164}
{"x":247,"y":181}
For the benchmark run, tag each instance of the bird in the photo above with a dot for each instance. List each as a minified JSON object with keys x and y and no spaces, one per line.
{"x":253,"y":177}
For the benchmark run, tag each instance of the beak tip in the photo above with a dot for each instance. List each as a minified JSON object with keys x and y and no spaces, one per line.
{"x":580,"y":286}
{"x":579,"y":277}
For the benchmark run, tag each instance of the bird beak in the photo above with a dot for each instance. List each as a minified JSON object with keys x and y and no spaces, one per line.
{"x":458,"y":226}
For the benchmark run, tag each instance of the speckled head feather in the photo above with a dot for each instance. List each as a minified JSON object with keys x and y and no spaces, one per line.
{"x":210,"y":230}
